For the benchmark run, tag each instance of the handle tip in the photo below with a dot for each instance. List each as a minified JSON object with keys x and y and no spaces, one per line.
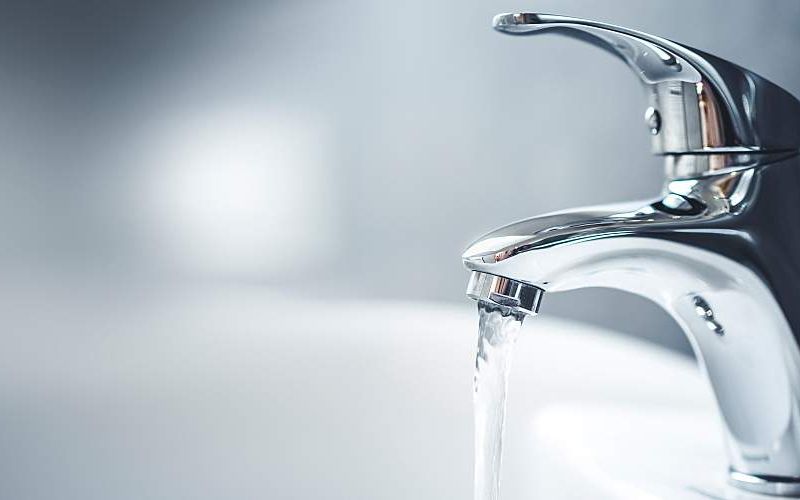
{"x":517,"y":22}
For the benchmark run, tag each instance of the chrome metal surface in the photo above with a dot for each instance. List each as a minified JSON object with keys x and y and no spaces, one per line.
{"x":716,"y":253}
{"x":765,"y":485}
{"x":705,"y":104}
{"x":719,"y":250}
{"x":653,"y":119}
{"x":522,"y":297}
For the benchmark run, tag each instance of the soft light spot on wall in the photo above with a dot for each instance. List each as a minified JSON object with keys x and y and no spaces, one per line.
{"x":238,"y":192}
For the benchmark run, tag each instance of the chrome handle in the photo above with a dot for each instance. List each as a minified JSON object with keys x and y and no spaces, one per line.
{"x":699,"y":103}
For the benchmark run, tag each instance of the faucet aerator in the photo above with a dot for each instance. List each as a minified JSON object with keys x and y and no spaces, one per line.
{"x":522,"y":297}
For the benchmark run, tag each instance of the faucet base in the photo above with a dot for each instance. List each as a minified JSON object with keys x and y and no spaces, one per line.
{"x":766,"y":485}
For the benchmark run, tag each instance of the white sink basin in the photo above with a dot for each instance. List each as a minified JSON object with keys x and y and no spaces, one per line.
{"x":232,"y":394}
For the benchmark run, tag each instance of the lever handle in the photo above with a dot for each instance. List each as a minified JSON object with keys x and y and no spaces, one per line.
{"x":699,"y":103}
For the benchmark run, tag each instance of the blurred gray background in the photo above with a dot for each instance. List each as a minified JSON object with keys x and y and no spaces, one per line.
{"x":327,"y":148}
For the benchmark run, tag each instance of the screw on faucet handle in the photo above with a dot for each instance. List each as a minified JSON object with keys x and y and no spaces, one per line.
{"x":698,"y":103}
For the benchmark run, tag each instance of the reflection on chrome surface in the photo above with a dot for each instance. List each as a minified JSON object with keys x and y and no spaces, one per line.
{"x":719,"y":249}
{"x":704,"y":103}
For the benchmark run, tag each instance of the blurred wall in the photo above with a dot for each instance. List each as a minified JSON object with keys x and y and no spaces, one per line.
{"x":351,"y":147}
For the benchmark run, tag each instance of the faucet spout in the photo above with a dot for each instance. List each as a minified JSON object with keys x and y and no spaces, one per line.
{"x":719,"y":254}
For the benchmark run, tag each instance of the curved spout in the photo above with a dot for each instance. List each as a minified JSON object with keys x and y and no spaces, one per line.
{"x":717,"y":254}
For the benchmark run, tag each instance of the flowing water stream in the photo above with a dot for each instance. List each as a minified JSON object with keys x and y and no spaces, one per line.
{"x":499,"y":329}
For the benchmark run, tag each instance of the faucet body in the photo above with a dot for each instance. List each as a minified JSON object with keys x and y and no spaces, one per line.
{"x":719,"y":250}
{"x":719,"y":254}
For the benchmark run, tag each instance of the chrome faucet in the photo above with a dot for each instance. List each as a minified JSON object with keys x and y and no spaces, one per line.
{"x":719,"y":250}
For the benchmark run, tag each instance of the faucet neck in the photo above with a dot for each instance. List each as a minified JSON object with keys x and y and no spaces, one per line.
{"x":719,"y":254}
